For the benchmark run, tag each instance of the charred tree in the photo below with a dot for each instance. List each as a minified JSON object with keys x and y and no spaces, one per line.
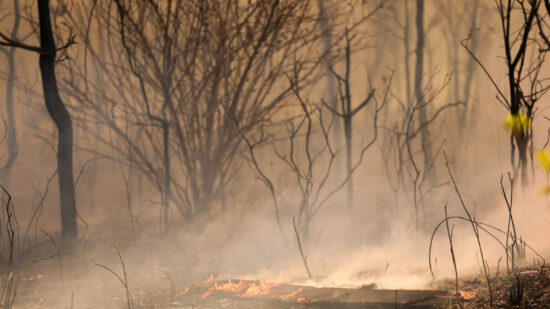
{"x":11,"y":137}
{"x":519,"y":139}
{"x":346,"y":112}
{"x":62,"y":119}
{"x":184,"y":69}
{"x":60,"y":116}
{"x":418,"y":91}
{"x":326,"y":34}
{"x":310,"y":157}
{"x":525,"y":84}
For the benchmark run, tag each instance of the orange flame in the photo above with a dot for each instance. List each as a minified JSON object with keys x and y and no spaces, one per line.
{"x":229,"y":287}
{"x":207,"y":293}
{"x":302,"y":300}
{"x":184,"y":292}
{"x":232,"y":287}
{"x":258,"y":289}
{"x":287,"y":296}
{"x":252,"y":289}
{"x":210,"y":279}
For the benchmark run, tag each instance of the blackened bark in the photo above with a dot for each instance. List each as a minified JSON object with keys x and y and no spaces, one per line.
{"x":165,"y":207}
{"x":10,"y":86}
{"x":419,"y":72}
{"x":62,"y":119}
{"x":347,"y":114}
{"x":332,"y":85}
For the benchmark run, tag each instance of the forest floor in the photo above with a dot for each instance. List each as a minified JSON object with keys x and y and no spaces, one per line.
{"x":165,"y":276}
{"x":529,"y":287}
{"x":42,"y":288}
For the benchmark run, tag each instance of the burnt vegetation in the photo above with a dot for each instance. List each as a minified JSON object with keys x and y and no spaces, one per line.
{"x":311,"y":147}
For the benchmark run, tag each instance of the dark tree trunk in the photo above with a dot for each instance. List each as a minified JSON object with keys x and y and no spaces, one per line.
{"x":60,"y":116}
{"x":419,"y":72}
{"x":332,"y":85}
{"x":348,"y":136}
{"x":470,"y":69}
{"x":347,"y":114}
{"x":165,"y":207}
{"x":11,"y":132}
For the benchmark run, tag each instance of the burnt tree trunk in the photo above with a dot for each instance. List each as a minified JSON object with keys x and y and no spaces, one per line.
{"x":166,"y":195}
{"x":419,"y":72}
{"x":332,"y":86}
{"x":348,"y":136}
{"x":10,"y":86}
{"x":347,"y":114}
{"x":62,"y":119}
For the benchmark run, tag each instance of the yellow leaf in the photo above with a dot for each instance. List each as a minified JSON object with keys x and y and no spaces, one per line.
{"x":517,"y":123}
{"x":543,"y":156}
{"x":545,"y":190}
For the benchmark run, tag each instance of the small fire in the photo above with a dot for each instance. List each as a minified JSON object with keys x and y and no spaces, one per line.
{"x":287,"y":296}
{"x":252,"y":289}
{"x":232,"y":287}
{"x":302,"y":300}
{"x":207,"y":293}
{"x":210,"y":279}
{"x":229,"y":287}
{"x":258,"y":289}
{"x":184,"y":292}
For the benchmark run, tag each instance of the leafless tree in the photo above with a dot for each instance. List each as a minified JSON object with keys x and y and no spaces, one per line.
{"x":326,"y":27}
{"x":309,"y":155}
{"x":409,"y":150}
{"x":10,"y":87}
{"x":402,"y":146}
{"x":425,"y":141}
{"x":59,"y":114}
{"x":346,"y":111}
{"x":162,"y":78}
{"x":458,"y":18}
{"x":526,"y":85}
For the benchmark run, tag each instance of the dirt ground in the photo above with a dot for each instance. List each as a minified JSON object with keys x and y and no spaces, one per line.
{"x":95,"y":278}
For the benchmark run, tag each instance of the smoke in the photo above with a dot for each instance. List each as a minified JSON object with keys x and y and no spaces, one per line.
{"x":378,"y":243}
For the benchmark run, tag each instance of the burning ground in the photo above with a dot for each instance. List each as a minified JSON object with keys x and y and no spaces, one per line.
{"x":230,"y":265}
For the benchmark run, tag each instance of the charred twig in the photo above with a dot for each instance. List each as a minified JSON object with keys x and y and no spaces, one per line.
{"x":10,"y":283}
{"x":513,"y":248}
{"x":57,"y":254}
{"x":475,"y":228}
{"x":122,"y":279}
{"x":172,"y":285}
{"x":515,"y":292}
{"x":38,"y":207}
{"x":304,"y":258}
{"x":487,"y":228}
{"x":450,"y":236}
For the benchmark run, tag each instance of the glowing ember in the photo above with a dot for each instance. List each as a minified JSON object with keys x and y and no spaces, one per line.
{"x":210,"y":279}
{"x":207,"y":293}
{"x":184,"y":292}
{"x":302,"y":300}
{"x":287,"y":296}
